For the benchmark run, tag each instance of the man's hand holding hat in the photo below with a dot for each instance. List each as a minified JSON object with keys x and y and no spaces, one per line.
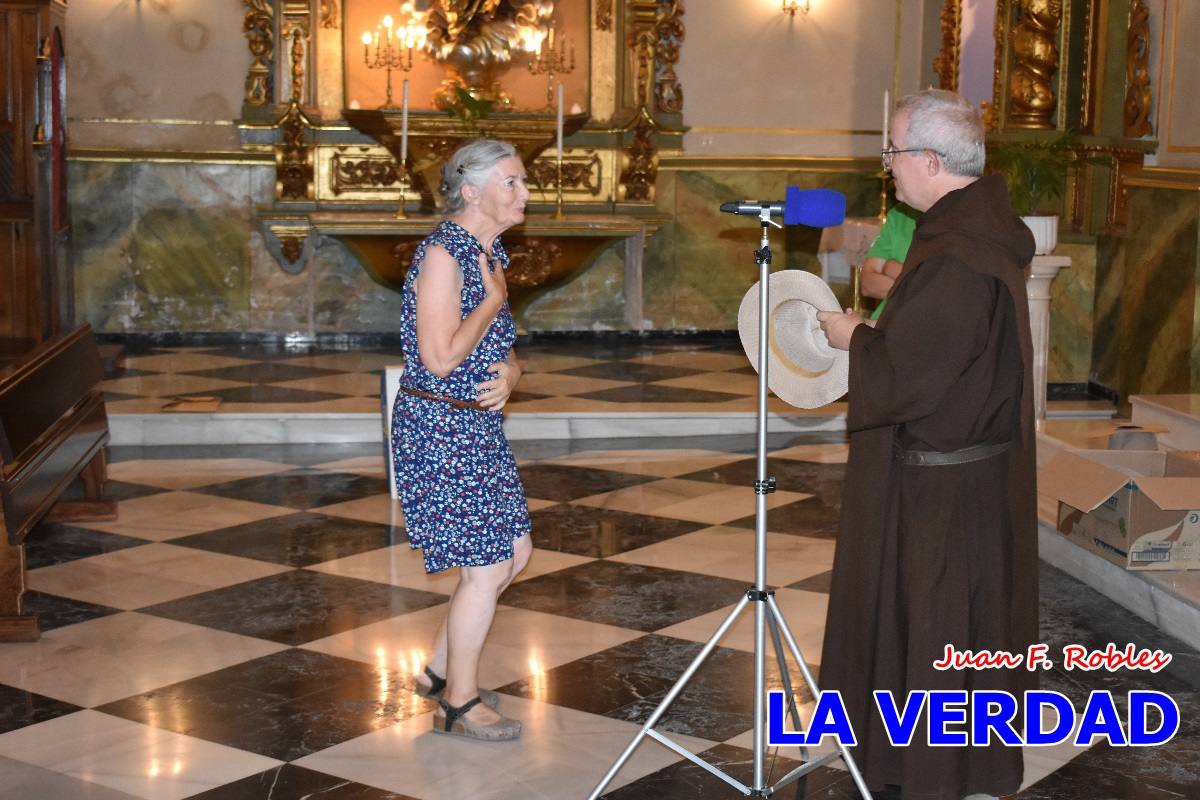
{"x":839,"y":327}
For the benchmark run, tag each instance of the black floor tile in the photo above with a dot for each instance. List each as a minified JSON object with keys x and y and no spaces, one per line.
{"x":267,"y":393}
{"x":808,"y":517}
{"x":58,"y":612}
{"x":301,"y":489}
{"x":814,"y":583}
{"x":267,"y":372}
{"x":295,"y":607}
{"x":598,"y":533}
{"x":810,"y":477}
{"x":297,"y":540}
{"x":630,"y":371}
{"x":19,"y":708}
{"x":687,"y":780}
{"x":630,"y":681}
{"x":561,"y":482}
{"x":285,"y":705}
{"x":59,"y":542}
{"x":658,"y":393}
{"x":628,"y":595}
{"x":290,"y":782}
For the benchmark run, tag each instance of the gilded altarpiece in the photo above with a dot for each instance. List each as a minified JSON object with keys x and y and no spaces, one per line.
{"x":360,"y":112}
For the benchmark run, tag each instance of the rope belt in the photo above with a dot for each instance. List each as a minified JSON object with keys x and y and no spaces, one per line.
{"x":454,"y":401}
{"x":935,"y":458}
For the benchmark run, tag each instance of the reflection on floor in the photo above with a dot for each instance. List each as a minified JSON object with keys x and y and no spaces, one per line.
{"x":251,"y":625}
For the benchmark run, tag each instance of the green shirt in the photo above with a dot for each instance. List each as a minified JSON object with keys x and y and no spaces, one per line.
{"x":894,"y":239}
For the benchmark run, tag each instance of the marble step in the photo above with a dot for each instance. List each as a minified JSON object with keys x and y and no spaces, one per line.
{"x":1178,"y":413}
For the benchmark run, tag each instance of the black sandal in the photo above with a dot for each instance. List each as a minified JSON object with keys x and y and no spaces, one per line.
{"x":437,"y":685}
{"x":452,"y":720}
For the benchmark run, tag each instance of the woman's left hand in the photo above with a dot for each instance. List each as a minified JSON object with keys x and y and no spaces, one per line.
{"x":494,"y":394}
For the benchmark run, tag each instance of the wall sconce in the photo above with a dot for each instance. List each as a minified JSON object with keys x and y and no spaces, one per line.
{"x":792,"y":6}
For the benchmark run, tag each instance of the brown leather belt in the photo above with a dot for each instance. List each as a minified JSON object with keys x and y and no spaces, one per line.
{"x":454,"y":401}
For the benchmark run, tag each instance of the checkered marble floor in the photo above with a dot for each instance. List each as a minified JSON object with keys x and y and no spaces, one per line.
{"x":251,"y":625}
{"x":680,"y":374}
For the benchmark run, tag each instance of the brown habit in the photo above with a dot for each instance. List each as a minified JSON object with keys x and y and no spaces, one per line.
{"x":935,"y":555}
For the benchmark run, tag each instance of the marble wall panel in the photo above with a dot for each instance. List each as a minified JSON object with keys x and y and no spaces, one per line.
{"x":1072,"y":306}
{"x":1146,"y":307}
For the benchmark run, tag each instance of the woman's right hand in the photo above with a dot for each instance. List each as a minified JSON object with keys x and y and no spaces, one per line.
{"x":494,"y":285}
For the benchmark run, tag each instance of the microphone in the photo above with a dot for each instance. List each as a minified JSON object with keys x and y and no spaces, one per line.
{"x":816,"y":208}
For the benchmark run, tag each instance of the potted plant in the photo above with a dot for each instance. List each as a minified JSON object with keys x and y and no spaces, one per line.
{"x":1036,"y":171}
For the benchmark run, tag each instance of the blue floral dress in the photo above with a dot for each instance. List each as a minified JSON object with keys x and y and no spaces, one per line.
{"x":463,"y":501}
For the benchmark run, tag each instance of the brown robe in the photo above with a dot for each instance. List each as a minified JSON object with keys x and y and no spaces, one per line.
{"x":935,"y":555}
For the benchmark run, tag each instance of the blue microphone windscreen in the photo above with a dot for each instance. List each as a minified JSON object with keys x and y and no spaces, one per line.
{"x":816,"y":208}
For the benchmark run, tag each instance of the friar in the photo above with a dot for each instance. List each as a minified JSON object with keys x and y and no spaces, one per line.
{"x":937,"y":541}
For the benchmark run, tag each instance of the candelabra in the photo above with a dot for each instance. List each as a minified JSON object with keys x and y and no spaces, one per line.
{"x":551,"y":59}
{"x":393,"y":49}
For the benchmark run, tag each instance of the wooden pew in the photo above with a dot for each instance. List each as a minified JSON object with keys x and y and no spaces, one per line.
{"x":52,"y":430}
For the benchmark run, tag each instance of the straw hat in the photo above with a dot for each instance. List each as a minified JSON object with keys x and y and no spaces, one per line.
{"x":802,"y":368}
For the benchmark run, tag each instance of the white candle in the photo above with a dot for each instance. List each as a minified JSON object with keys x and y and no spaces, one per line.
{"x":887,"y":108}
{"x":559,"y":122}
{"x":404,"y":124}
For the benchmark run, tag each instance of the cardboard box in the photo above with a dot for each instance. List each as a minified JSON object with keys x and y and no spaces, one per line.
{"x":1139,"y":509}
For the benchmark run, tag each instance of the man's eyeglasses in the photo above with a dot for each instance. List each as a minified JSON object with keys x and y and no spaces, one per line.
{"x":887,"y":153}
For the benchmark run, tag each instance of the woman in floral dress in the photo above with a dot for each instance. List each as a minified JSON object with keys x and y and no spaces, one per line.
{"x":464,"y":505}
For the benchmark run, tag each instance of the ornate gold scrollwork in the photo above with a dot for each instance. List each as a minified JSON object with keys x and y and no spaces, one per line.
{"x":604,"y":15}
{"x":1035,"y":48}
{"x":259,"y":27}
{"x":294,"y":156}
{"x":667,"y":92}
{"x":531,"y":262}
{"x":945,"y":64}
{"x":641,"y":162}
{"x":329,"y":13}
{"x":1138,"y":95}
{"x":576,"y":174}
{"x":404,"y":252}
{"x":365,"y":173}
{"x":641,"y":157}
{"x":291,"y":247}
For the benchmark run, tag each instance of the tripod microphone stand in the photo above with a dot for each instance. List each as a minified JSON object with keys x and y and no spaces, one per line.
{"x":764,"y":604}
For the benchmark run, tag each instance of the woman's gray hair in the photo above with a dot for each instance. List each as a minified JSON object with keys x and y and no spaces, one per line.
{"x":947,"y":124}
{"x":471,"y":164}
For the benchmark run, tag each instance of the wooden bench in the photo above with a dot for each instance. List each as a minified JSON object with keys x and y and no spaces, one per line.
{"x":53,"y":429}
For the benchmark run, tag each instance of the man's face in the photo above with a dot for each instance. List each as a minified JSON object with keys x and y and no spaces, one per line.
{"x":911,"y":171}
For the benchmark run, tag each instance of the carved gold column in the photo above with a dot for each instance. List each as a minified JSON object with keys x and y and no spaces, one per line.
{"x":1032,"y":97}
{"x":945,"y":64}
{"x":259,"y":27}
{"x":1138,"y":95}
{"x":667,"y":92}
{"x":604,"y":15}
{"x":641,"y":156}
{"x":294,"y":158}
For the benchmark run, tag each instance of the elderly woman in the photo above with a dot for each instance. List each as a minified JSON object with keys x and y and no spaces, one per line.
{"x":464,"y":504}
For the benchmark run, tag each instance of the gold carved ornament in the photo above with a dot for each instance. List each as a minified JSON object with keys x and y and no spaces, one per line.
{"x":292,"y":246}
{"x":329,"y":13}
{"x":945,"y":64}
{"x":667,"y":92}
{"x":258,"y":25}
{"x":604,"y":15}
{"x":1034,"y":45}
{"x":366,"y":173}
{"x":641,"y":157}
{"x":576,"y":174}
{"x":294,"y":157}
{"x":530,"y":262}
{"x":478,"y":39}
{"x":1138,"y":95}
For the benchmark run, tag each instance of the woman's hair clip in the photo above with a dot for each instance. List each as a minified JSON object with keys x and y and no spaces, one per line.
{"x":459,"y":169}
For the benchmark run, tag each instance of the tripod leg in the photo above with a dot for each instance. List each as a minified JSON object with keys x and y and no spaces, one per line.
{"x":670,"y":698}
{"x":786,"y":678}
{"x":847,"y":758}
